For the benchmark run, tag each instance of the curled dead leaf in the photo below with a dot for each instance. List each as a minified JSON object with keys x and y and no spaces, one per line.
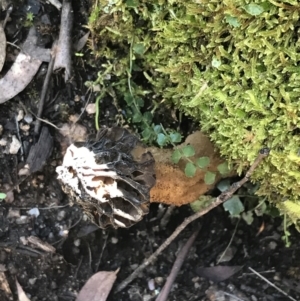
{"x":98,"y":287}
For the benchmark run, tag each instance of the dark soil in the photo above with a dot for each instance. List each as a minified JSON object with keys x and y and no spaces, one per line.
{"x":80,"y":249}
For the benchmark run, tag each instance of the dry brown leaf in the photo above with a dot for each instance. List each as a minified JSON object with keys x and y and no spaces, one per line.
{"x":20,"y":74}
{"x":21,"y":294}
{"x":2,"y":47}
{"x":98,"y":287}
{"x":4,"y":286}
{"x":218,"y":273}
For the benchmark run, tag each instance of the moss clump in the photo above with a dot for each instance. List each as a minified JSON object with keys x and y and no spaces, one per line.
{"x":232,"y":65}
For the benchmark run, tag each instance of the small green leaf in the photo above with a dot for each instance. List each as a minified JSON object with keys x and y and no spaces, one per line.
{"x":176,"y":156}
{"x":254,"y":9}
{"x":233,"y":21}
{"x":223,"y":168}
{"x":132,"y":3}
{"x":161,"y":139}
{"x":2,"y":196}
{"x":201,"y":203}
{"x":139,"y":48}
{"x":190,"y":170}
{"x":248,"y":217}
{"x":203,"y":162}
{"x":196,"y":205}
{"x":188,"y":151}
{"x":209,"y":178}
{"x":128,"y":98}
{"x":261,"y":209}
{"x":216,"y":63}
{"x":147,"y":117}
{"x":140,"y":102}
{"x":234,"y":206}
{"x":137,"y":117}
{"x":175,"y":137}
{"x":146,"y":134}
{"x":157,"y":129}
{"x":223,"y":185}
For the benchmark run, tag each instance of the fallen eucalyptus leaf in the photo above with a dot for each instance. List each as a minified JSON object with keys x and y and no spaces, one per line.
{"x":21,"y":294}
{"x":2,"y":47}
{"x":218,"y":273}
{"x":24,"y":68}
{"x":98,"y":287}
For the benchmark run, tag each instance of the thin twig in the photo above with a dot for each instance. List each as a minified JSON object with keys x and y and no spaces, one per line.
{"x":225,"y":195}
{"x":19,"y":137}
{"x":45,"y":90}
{"x":272,"y":284}
{"x":176,"y":266}
{"x":101,"y":254}
{"x":166,"y":218}
{"x":233,"y":296}
{"x":230,"y":242}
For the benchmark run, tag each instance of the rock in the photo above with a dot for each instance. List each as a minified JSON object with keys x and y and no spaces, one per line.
{"x":14,"y":146}
{"x":91,"y":108}
{"x":20,"y":115}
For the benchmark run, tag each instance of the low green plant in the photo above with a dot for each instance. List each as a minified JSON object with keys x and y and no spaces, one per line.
{"x":202,"y":163}
{"x":231,"y":65}
{"x":29,"y":19}
{"x":2,"y":196}
{"x":244,"y":205}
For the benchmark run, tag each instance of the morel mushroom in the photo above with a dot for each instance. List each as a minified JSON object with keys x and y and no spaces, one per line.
{"x":110,"y":177}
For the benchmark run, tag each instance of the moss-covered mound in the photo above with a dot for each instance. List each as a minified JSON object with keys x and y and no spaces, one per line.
{"x":232,"y":65}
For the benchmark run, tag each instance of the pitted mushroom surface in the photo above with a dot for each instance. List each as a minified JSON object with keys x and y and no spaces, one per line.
{"x":110,"y":177}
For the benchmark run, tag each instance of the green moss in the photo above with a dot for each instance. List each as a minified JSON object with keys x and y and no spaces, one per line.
{"x":232,"y":65}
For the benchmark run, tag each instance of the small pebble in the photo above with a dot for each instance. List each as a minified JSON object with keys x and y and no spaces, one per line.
{"x":24,"y":171}
{"x":14,"y":146}
{"x":13,"y":213}
{"x":23,"y":219}
{"x":159,"y":280}
{"x":147,"y":297}
{"x":63,"y":233}
{"x":20,"y":115}
{"x":23,"y":240}
{"x":3,"y":142}
{"x":77,"y":98}
{"x":151,"y":284}
{"x":91,"y":108}
{"x":24,"y":127}
{"x":34,"y":211}
{"x":253,"y":298}
{"x":28,"y":118}
{"x":272,"y":245}
{"x":114,"y":240}
{"x":32,"y":281}
{"x":134,"y":266}
{"x":61,"y":215}
{"x":77,"y":242}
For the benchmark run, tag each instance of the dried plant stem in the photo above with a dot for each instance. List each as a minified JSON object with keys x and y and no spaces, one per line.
{"x":177,"y":266}
{"x":225,"y":195}
{"x":44,"y":91}
{"x":272,"y":284}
